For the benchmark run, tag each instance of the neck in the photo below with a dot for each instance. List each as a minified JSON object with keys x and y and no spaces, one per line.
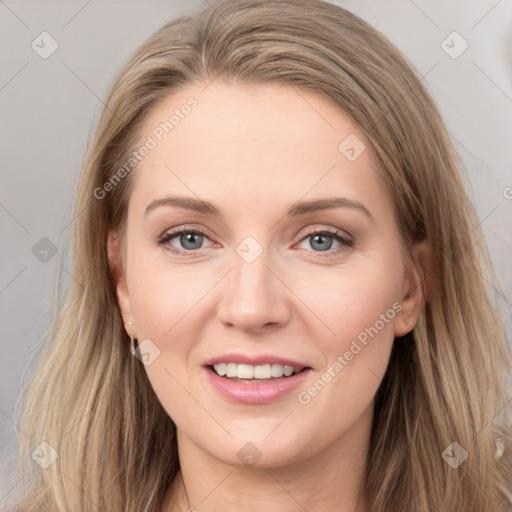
{"x":332,"y":479}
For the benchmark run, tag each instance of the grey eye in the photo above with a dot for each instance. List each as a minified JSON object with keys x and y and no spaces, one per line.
{"x":191,"y":240}
{"x":321,"y":242}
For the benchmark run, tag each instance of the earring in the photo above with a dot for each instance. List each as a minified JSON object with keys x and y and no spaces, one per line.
{"x":132,"y":342}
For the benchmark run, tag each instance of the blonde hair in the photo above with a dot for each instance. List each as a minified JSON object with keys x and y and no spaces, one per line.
{"x":446,"y":380}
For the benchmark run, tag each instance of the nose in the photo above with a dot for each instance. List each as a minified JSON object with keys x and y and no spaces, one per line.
{"x":254,"y":298}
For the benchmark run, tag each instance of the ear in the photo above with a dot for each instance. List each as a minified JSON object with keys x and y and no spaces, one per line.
{"x":119,"y":276}
{"x":415,"y":291}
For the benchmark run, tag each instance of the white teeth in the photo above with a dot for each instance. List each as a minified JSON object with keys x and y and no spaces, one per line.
{"x":288,"y":370}
{"x":231,"y":370}
{"x":247,"y":371}
{"x":263,"y":372}
{"x":221,"y":369}
{"x":276,"y":370}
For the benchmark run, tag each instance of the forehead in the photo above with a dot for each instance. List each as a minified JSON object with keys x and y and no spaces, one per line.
{"x":253,"y":142}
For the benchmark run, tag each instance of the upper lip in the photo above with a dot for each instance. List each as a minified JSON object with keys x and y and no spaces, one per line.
{"x":254,"y":360}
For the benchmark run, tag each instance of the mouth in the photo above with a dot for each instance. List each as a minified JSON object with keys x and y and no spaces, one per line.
{"x":258,"y":373}
{"x":255,"y":384}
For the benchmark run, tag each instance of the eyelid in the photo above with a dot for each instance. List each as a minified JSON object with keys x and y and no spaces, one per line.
{"x":330,"y":231}
{"x":169,"y":234}
{"x":180,"y":229}
{"x":347,"y":241}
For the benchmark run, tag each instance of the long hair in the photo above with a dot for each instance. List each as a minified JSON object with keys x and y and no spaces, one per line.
{"x":446,"y":381}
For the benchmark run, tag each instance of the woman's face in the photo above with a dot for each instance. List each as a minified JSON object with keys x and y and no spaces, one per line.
{"x":251,"y":287}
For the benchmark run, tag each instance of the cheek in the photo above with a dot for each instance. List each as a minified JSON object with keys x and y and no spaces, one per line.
{"x":166,"y":306}
{"x":357,"y":307}
{"x":165,"y":299}
{"x":349,"y":302}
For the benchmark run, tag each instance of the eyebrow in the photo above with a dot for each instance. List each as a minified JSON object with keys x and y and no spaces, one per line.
{"x":294,"y":210}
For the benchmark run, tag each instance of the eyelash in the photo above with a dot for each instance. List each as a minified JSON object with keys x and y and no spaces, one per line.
{"x":346,"y":242}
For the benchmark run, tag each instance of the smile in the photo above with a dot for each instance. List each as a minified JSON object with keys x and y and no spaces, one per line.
{"x":247,"y":371}
{"x":254,"y":390}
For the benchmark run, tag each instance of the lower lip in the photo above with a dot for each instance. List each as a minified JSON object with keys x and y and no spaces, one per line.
{"x":256,"y":391}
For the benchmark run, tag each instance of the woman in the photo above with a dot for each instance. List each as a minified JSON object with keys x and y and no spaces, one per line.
{"x":278,"y":296}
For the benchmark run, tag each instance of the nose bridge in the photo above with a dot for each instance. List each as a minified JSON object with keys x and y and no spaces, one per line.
{"x":253,"y":296}
{"x":251,"y":278}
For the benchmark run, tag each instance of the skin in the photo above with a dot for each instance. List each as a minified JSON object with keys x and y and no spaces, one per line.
{"x":252,"y":151}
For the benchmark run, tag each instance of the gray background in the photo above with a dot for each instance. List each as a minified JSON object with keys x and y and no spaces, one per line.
{"x":48,"y":107}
